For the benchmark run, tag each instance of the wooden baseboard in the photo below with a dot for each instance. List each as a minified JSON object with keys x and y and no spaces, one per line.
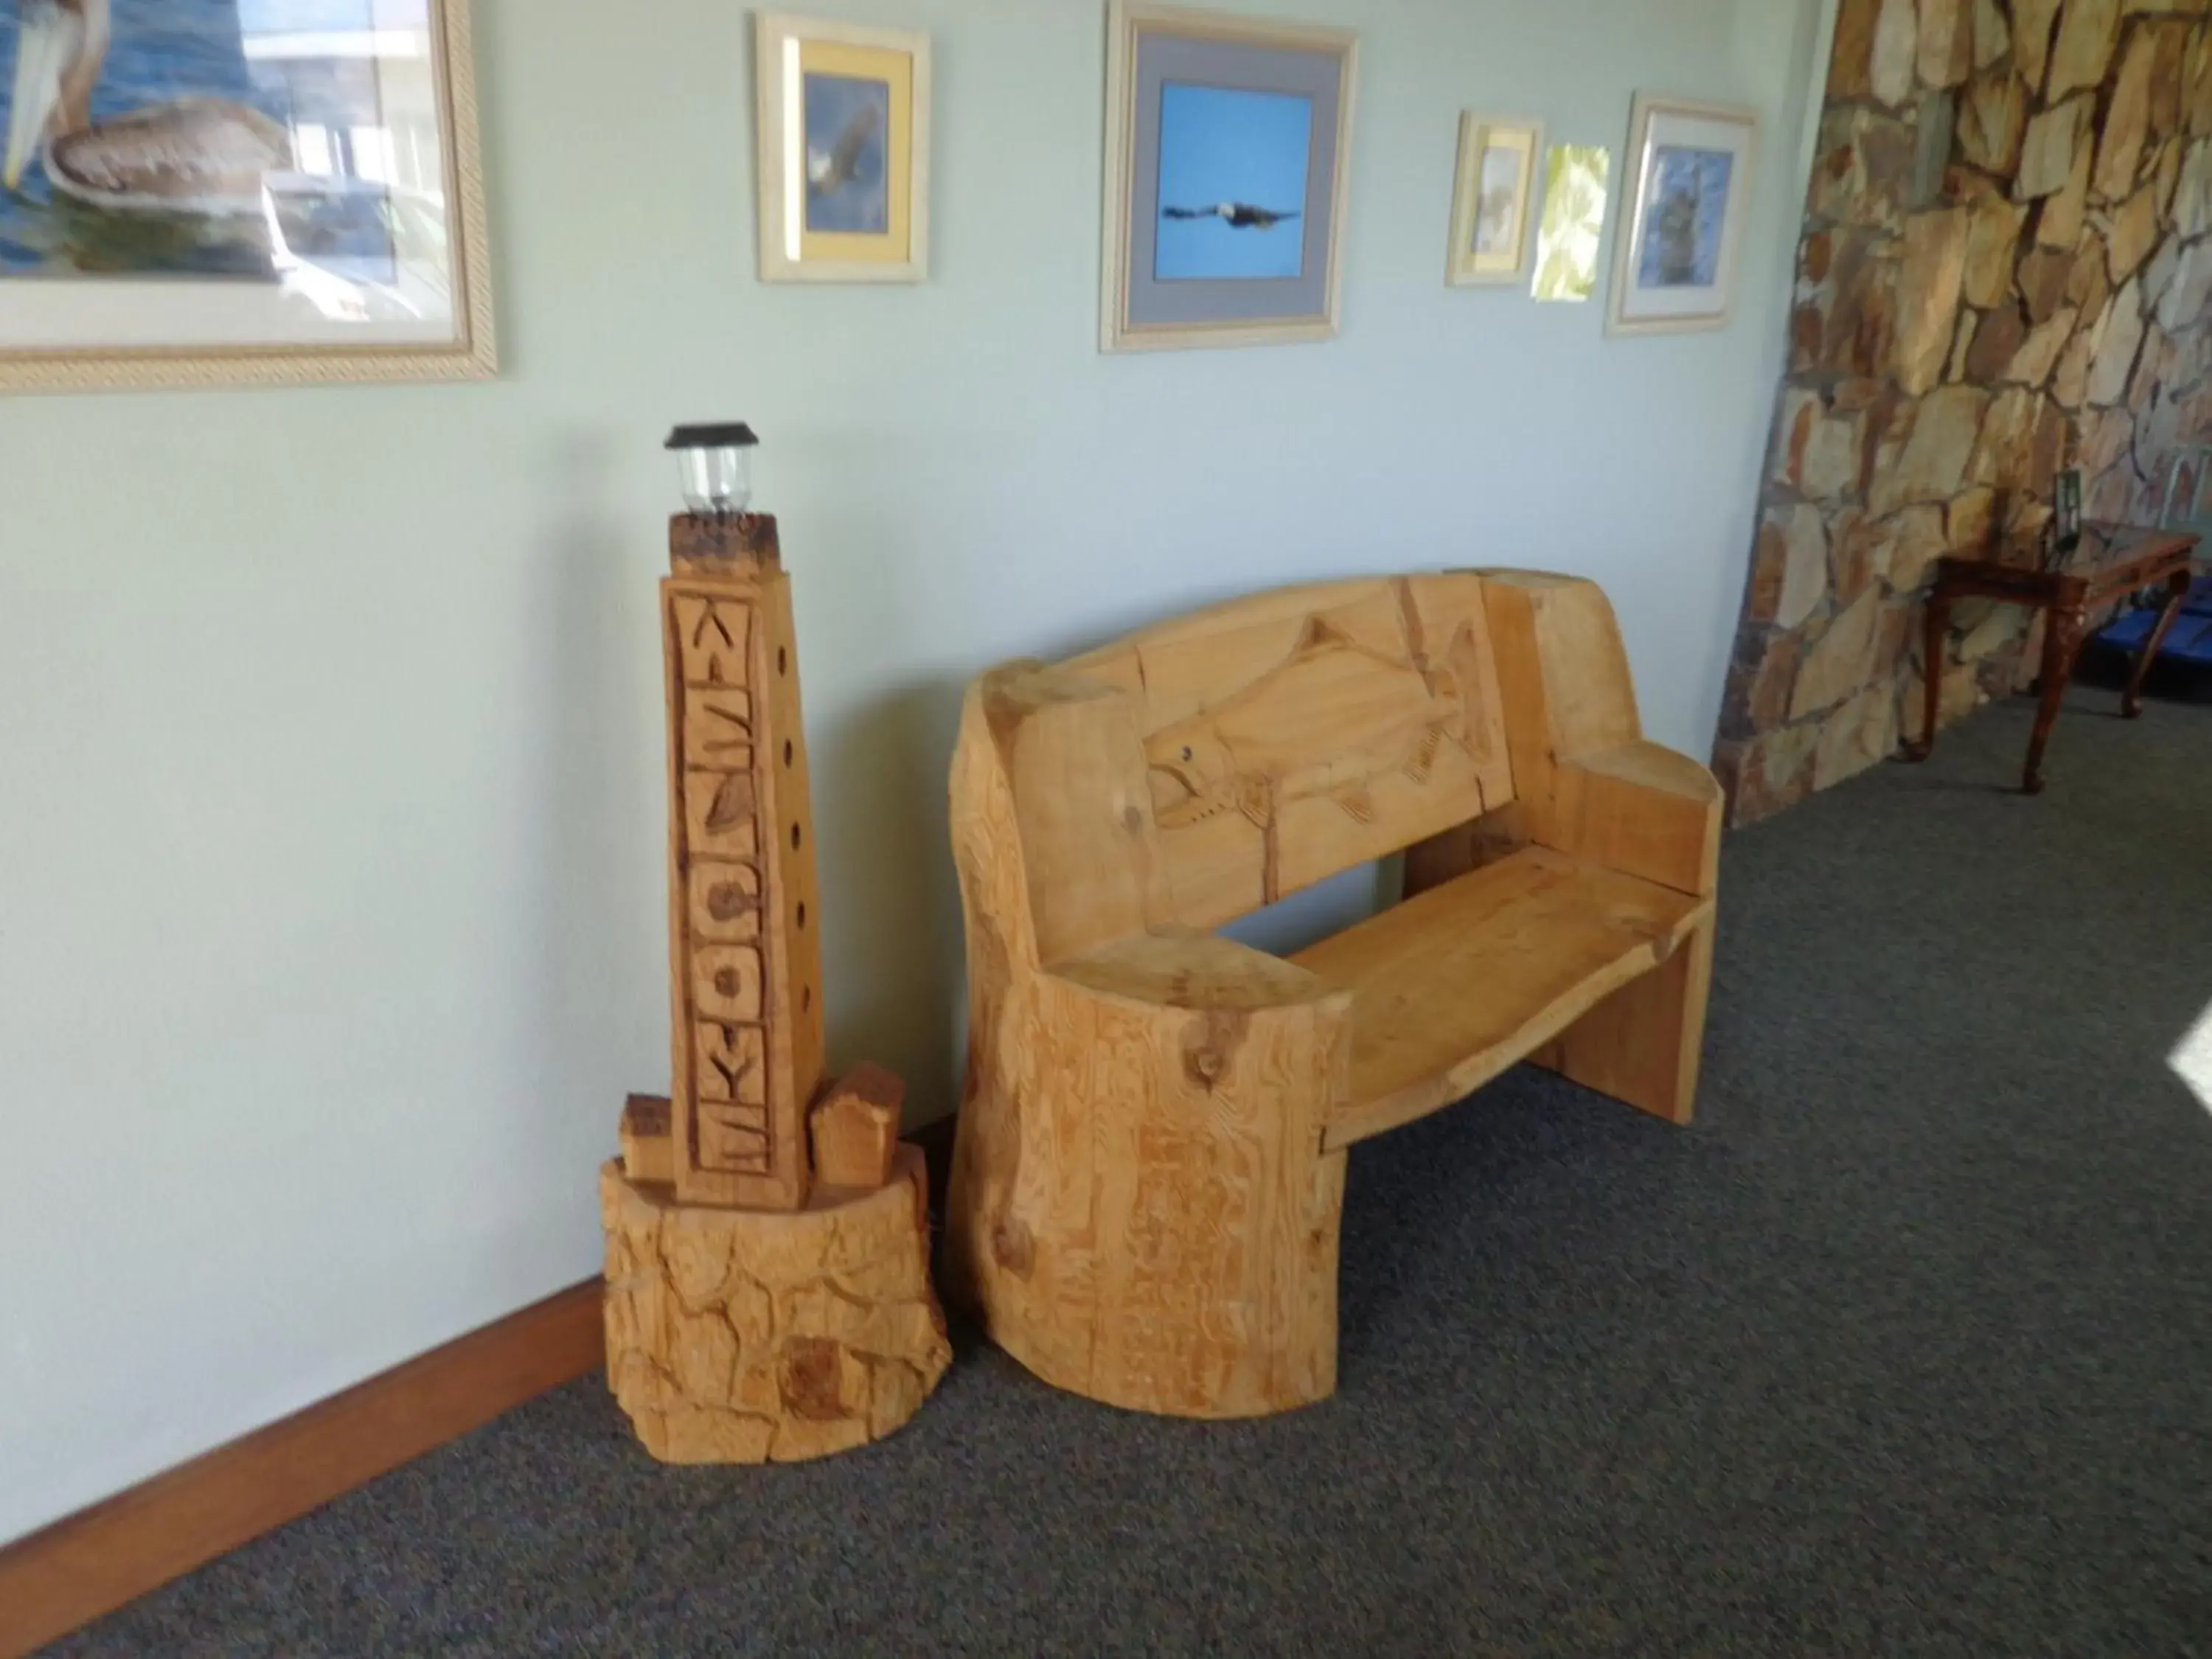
{"x":96,"y":1561}
{"x":91,"y":1563}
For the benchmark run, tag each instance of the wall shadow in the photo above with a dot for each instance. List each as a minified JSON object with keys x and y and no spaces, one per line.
{"x":892,"y":968}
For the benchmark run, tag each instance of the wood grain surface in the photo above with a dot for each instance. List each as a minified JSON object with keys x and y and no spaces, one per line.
{"x":1147,"y":1185}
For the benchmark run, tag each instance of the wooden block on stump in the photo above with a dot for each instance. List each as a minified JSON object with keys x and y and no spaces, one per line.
{"x":649,"y":1141}
{"x":751,"y":1336}
{"x":855,"y":1127}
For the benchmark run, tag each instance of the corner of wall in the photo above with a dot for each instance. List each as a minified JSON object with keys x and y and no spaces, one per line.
{"x":1970,"y":313}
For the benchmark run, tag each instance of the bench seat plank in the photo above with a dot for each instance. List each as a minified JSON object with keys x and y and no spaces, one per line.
{"x":1453,"y":986}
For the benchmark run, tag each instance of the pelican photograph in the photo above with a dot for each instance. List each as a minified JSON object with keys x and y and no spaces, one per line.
{"x":230,"y":177}
{"x":138,"y":141}
{"x":1233,"y":168}
{"x":1688,"y":195}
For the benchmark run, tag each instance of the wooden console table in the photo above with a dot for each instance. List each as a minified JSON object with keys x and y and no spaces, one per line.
{"x":2115,"y":561}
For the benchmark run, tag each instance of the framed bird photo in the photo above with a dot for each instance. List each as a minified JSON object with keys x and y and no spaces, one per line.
{"x":1228,"y":147}
{"x":1493,"y":200}
{"x":201,"y":193}
{"x":844,"y":151}
{"x":1676,"y":252}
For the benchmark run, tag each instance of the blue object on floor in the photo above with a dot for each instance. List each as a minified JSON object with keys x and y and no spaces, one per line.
{"x":2190,"y":641}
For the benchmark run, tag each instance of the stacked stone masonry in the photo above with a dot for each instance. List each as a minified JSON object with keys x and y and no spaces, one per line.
{"x":1960,"y":332}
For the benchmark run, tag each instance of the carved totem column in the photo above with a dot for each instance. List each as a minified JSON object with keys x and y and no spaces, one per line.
{"x":768,"y":1238}
{"x":745,"y":968}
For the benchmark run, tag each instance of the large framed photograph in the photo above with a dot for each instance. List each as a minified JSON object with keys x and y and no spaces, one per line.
{"x":203,"y":193}
{"x":1674,"y":266}
{"x":1228,"y":147}
{"x":1493,"y":199}
{"x":844,"y":151}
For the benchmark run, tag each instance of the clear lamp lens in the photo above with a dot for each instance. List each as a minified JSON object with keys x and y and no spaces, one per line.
{"x":716,"y":480}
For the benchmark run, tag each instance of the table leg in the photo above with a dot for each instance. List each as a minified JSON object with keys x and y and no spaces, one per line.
{"x":2177,"y":589}
{"x":1931,"y":673}
{"x":2062,"y":639}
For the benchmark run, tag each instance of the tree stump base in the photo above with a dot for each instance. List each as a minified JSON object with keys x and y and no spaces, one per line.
{"x":753,"y":1336}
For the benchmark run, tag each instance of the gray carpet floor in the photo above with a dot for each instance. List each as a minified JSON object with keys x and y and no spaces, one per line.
{"x":1904,"y":1348}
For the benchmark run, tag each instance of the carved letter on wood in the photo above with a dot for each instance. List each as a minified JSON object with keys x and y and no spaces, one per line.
{"x":745,"y":967}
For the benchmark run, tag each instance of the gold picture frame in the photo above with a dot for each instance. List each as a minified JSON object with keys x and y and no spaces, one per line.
{"x":1494,"y":245}
{"x":418,"y":306}
{"x":843,"y":144}
{"x":1147,"y":304}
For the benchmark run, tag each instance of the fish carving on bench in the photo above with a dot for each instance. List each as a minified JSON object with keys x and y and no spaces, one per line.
{"x":1253,"y":753}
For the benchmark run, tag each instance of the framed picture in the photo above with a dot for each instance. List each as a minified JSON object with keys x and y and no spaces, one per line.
{"x":1675,"y":261}
{"x":1493,"y":200}
{"x":1227,"y":149}
{"x":206,"y":193}
{"x":844,"y":152}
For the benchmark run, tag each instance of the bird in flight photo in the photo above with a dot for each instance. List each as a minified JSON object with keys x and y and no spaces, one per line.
{"x":840,"y":166}
{"x":1237,"y":216}
{"x":848,"y":171}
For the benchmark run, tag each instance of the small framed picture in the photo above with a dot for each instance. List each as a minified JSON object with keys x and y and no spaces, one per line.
{"x":1494,"y":198}
{"x":239,"y":192}
{"x":1674,"y":264}
{"x":844,"y":151}
{"x":1227,"y":149}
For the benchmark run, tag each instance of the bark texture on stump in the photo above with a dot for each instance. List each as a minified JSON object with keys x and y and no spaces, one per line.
{"x":750,"y":1336}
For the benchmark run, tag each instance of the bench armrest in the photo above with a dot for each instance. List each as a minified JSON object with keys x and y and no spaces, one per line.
{"x":1184,"y":969}
{"x":1640,"y":808}
{"x":1587,"y":782}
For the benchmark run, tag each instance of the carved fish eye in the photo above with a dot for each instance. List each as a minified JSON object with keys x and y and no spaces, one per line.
{"x":1185,"y":753}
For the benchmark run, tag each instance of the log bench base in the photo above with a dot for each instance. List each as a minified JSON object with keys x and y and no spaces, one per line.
{"x":754,"y":1336}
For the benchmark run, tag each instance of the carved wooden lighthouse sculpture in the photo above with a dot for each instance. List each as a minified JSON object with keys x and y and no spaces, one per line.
{"x":768,"y":1276}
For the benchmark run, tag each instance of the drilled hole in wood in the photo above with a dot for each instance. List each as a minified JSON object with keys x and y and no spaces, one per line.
{"x":794,"y":838}
{"x":802,"y":915}
{"x":806,"y":998}
{"x":782,"y":660}
{"x":787,"y":752}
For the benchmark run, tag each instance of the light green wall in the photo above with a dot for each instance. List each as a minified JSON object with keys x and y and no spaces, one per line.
{"x":331,"y":904}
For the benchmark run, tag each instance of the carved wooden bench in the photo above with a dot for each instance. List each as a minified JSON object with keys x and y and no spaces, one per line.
{"x":1150,"y":1169}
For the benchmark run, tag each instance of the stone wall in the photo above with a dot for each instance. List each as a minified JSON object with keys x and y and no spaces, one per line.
{"x":2004,"y":269}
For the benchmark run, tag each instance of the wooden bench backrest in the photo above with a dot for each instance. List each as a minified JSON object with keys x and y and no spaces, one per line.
{"x":1284,"y":738}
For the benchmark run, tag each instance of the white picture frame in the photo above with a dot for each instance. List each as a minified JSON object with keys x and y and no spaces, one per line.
{"x":1474,"y":258}
{"x":787,"y":51}
{"x":1675,"y":270}
{"x":1248,"y":53}
{"x":421,"y":311}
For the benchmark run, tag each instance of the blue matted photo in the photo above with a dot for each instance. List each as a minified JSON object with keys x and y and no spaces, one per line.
{"x":1226,"y":174}
{"x":1685,"y":218}
{"x":1233,"y":172}
{"x":848,"y":121}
